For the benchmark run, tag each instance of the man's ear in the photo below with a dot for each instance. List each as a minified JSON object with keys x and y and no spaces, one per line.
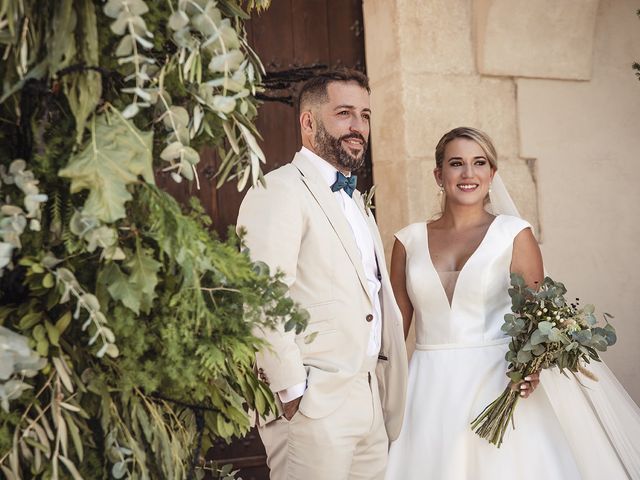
{"x":307,"y":122}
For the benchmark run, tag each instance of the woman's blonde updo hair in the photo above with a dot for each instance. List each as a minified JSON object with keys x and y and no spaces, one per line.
{"x":474,"y":134}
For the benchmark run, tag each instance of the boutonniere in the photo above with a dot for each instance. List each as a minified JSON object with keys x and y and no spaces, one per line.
{"x":367,"y":198}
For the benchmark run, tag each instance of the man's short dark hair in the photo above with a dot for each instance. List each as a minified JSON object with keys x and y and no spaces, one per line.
{"x":314,"y":90}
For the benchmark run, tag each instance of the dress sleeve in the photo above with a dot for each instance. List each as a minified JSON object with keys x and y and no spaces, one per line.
{"x":514,"y":225}
{"x":406,"y":235}
{"x":409,"y":235}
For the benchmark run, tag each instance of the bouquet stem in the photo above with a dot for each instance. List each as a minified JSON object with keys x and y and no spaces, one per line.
{"x":493,"y":421}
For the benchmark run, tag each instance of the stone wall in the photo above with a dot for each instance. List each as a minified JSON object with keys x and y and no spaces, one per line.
{"x":551,"y":82}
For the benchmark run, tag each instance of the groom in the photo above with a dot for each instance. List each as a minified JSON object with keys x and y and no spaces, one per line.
{"x":341,"y":383}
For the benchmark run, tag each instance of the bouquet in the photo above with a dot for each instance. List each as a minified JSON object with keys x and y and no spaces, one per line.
{"x":546,"y":332}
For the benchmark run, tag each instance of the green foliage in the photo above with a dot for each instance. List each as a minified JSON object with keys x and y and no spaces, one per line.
{"x":548,"y":331}
{"x":127,"y":322}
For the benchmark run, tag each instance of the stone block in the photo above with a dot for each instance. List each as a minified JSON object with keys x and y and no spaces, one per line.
{"x":541,"y":38}
{"x":435,"y":36}
{"x":437,"y":103}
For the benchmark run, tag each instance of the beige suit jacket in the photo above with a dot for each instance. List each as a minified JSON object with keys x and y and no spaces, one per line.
{"x":296,"y":225}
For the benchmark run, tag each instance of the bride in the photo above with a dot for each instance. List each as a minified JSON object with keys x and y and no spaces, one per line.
{"x":453,"y":273}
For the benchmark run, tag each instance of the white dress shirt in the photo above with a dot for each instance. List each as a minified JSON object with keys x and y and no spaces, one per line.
{"x":364,"y":241}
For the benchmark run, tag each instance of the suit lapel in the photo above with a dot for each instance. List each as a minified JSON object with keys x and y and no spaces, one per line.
{"x":375,"y":233}
{"x":323,"y":195}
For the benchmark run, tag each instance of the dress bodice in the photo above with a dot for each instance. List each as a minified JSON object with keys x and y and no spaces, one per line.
{"x":480,"y":297}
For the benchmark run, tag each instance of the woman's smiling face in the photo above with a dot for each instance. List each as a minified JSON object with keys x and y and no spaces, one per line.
{"x":466,"y":173}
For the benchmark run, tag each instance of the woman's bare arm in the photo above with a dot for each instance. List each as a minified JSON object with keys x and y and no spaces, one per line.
{"x":527,"y":259}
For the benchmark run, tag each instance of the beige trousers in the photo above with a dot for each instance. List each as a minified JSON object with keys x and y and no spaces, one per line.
{"x":349,"y":444}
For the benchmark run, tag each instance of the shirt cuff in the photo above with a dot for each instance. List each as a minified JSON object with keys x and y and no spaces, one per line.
{"x":292,"y":393}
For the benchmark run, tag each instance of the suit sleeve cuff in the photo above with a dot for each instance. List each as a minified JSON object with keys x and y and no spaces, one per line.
{"x":292,"y":393}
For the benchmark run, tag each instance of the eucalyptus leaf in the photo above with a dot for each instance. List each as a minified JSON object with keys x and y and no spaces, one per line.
{"x":583,"y":337}
{"x":609,"y":333}
{"x":125,"y":47}
{"x":537,"y":337}
{"x":207,"y":21}
{"x":545,"y":327}
{"x":172,"y":151}
{"x":539,"y":350}
{"x":555,"y":335}
{"x":176,"y":117}
{"x":119,"y":470}
{"x":131,"y":110}
{"x":524,"y":356}
{"x":178,"y":19}
{"x":226,"y":62}
{"x":220,"y":103}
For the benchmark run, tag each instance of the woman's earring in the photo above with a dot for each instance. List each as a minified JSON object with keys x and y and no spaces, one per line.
{"x":489,"y":188}
{"x":441,"y":190}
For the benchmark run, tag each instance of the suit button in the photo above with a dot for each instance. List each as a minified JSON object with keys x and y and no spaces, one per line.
{"x":369,"y":318}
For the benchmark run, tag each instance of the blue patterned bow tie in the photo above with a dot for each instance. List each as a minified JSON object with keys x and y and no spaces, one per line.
{"x":346,"y":183}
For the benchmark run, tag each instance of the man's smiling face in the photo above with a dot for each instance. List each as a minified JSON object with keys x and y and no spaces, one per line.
{"x":342,"y":130}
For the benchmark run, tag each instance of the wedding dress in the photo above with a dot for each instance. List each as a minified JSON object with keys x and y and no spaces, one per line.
{"x":564,"y":430}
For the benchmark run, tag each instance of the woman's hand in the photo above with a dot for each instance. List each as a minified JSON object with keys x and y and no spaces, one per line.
{"x":529,"y":384}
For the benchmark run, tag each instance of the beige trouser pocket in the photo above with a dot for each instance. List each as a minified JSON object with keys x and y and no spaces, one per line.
{"x":349,"y":444}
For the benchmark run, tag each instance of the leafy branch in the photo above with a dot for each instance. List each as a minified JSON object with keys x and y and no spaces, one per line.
{"x":96,"y":321}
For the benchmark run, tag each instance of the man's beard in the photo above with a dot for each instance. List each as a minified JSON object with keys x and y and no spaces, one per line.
{"x":330,"y":148}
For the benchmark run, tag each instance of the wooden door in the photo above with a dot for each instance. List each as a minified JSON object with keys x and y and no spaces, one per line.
{"x":293,"y":38}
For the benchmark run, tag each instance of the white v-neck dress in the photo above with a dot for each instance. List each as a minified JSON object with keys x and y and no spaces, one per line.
{"x":458,"y":367}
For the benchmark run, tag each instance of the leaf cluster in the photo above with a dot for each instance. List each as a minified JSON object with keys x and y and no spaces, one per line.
{"x":548,"y":331}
